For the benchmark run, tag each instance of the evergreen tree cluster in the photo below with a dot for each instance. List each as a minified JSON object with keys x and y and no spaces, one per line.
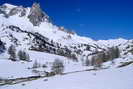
{"x":98,"y":58}
{"x":21,"y":55}
{"x":2,"y":47}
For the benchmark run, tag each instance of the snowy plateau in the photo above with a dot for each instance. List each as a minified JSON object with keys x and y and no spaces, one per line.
{"x":37,"y":54}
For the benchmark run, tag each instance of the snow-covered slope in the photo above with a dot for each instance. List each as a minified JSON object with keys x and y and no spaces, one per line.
{"x":12,"y":18}
{"x":31,"y":28}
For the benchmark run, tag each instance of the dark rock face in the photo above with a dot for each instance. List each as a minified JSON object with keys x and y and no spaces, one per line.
{"x":21,"y":11}
{"x":2,"y":11}
{"x":17,"y":10}
{"x":37,"y":16}
{"x":129,"y":48}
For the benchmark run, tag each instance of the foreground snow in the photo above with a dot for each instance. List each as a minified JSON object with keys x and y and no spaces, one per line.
{"x":120,"y":78}
{"x":111,"y":78}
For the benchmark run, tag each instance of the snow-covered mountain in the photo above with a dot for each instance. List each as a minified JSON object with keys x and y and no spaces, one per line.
{"x":30,"y":29}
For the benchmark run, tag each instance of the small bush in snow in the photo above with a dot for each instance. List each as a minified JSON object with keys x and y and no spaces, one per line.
{"x":57,"y":66}
{"x":23,"y":55}
{"x":97,"y":60}
{"x":44,"y":66}
{"x":87,"y":62}
{"x":36,"y":64}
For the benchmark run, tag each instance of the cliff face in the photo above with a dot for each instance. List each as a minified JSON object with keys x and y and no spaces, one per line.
{"x":36,"y":15}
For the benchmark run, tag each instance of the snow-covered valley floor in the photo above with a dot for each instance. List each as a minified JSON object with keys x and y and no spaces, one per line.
{"x":111,"y":78}
{"x":120,"y":78}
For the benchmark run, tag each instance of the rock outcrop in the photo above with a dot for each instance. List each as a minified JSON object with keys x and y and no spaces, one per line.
{"x":37,"y":16}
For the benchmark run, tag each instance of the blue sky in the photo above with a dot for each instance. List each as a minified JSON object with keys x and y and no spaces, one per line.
{"x":98,"y":19}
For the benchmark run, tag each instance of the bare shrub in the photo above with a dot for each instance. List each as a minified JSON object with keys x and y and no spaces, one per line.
{"x":57,"y":66}
{"x":36,"y":64}
{"x":23,"y":55}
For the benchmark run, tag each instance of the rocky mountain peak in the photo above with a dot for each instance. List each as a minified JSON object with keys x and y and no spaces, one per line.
{"x":37,"y":16}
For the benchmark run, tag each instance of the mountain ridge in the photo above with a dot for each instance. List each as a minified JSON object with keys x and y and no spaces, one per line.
{"x":31,"y":28}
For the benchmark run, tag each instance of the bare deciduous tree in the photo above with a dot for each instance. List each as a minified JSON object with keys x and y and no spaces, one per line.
{"x":57,"y":66}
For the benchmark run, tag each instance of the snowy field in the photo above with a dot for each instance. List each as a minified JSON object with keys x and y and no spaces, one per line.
{"x":112,"y":78}
{"x":10,"y":69}
{"x":120,"y":78}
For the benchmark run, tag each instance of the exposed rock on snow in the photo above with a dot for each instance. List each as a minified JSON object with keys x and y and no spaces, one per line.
{"x":37,"y":16}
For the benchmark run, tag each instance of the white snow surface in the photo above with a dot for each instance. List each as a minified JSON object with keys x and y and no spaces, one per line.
{"x":104,"y":79}
{"x":111,"y":78}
